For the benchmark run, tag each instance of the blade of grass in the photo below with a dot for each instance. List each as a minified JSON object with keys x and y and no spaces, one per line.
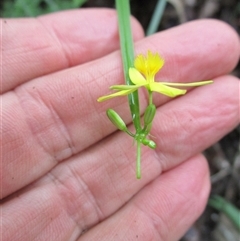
{"x":156,"y":17}
{"x":227,"y":208}
{"x":127,"y":50}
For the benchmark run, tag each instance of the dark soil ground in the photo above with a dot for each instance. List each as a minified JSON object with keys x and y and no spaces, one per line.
{"x":224,"y":156}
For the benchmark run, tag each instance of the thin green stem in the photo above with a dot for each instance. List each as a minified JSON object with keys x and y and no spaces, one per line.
{"x":138,"y":163}
{"x":150,"y":97}
{"x":146,"y":130}
{"x":127,"y":50}
{"x":130,"y":133}
{"x":156,"y":17}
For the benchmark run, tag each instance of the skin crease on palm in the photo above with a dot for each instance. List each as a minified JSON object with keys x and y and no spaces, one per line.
{"x":66,"y":169}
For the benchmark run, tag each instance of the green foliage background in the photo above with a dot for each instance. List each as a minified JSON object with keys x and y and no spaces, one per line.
{"x":32,"y":8}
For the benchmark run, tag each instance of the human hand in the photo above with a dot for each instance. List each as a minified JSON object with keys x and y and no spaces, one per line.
{"x":65,"y":169}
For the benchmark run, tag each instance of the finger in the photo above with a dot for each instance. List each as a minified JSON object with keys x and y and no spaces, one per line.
{"x":193,"y":51}
{"x":62,"y":211}
{"x":106,"y":175}
{"x":91,"y":186}
{"x":163,"y":210}
{"x":56,"y":122}
{"x":36,"y":47}
{"x":199,"y":118}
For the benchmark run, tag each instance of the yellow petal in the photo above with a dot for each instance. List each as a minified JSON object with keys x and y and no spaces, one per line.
{"x":140,"y":64}
{"x":166,"y":90}
{"x":188,"y":84}
{"x":136,"y":77}
{"x":123,"y":87}
{"x":148,"y":65}
{"x":154,"y":62}
{"x":119,"y":93}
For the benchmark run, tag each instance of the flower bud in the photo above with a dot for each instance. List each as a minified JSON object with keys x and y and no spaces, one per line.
{"x":149,"y":143}
{"x":149,"y":114}
{"x":116,"y":120}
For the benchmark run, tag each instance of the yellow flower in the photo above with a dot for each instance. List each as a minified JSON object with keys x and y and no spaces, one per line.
{"x":143,"y":75}
{"x":149,"y":65}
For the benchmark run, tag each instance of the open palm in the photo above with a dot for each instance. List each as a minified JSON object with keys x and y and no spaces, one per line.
{"x":67,"y":173}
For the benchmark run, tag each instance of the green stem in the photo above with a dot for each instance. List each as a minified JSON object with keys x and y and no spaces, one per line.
{"x":156,"y":17}
{"x":130,"y":133}
{"x":146,"y":130}
{"x":150,"y":99}
{"x":126,"y":42}
{"x":138,"y":163}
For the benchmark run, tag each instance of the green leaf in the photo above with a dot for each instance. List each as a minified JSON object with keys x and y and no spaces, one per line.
{"x":227,"y":208}
{"x":33,"y":8}
{"x":127,"y":50}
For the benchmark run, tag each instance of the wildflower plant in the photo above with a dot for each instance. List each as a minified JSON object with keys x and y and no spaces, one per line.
{"x":140,"y":72}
